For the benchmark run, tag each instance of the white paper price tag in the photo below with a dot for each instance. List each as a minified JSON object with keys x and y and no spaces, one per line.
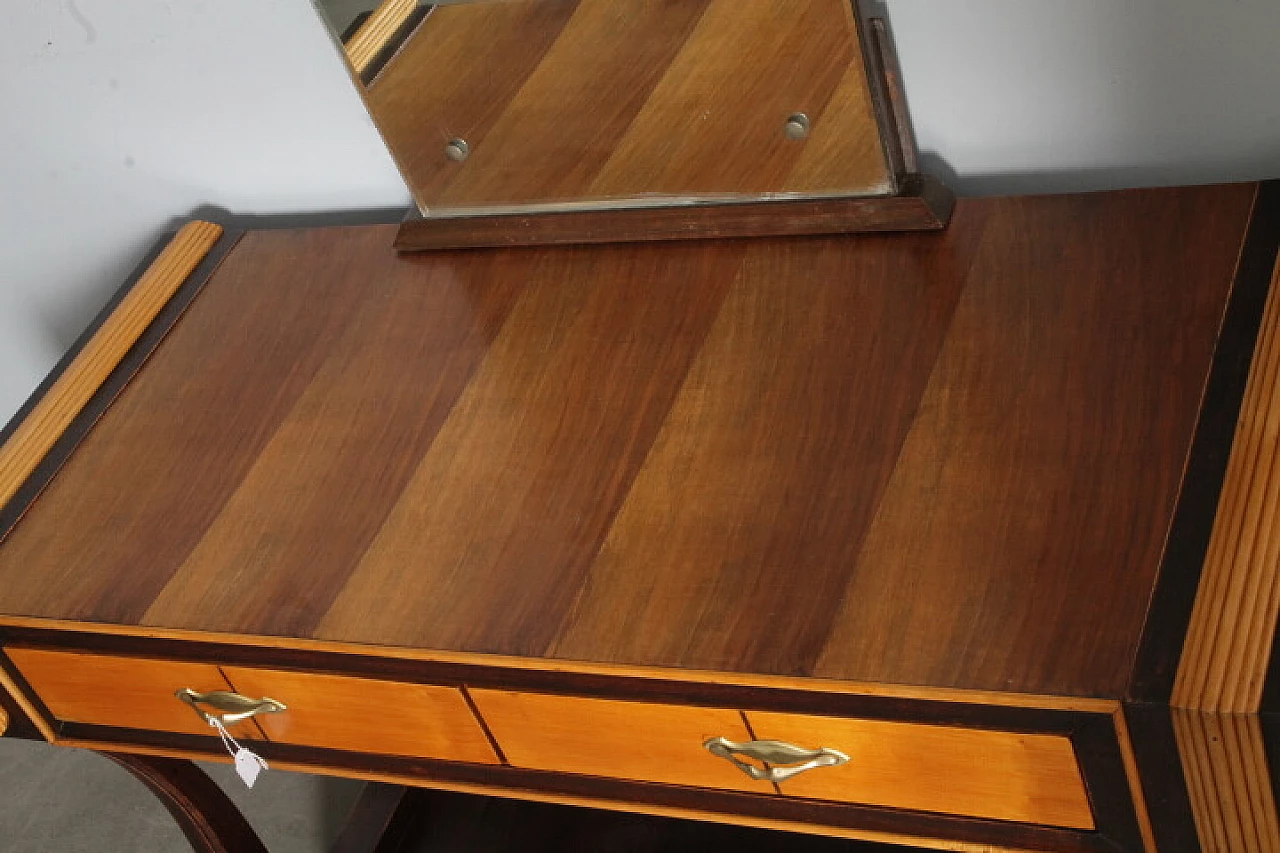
{"x":248,"y":764}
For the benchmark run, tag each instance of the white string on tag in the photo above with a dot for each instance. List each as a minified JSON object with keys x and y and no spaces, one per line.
{"x":248,"y":764}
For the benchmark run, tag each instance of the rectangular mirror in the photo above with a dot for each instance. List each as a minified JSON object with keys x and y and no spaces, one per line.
{"x":501,"y":107}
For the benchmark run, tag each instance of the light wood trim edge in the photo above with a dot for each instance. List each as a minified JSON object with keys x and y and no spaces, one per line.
{"x":1227,"y":649}
{"x":812,"y":685}
{"x":1225,"y":764}
{"x":1134,"y":778}
{"x":4,"y":721}
{"x":51,"y":416}
{"x":588,"y":802}
{"x":377,"y":30}
{"x":42,"y":725}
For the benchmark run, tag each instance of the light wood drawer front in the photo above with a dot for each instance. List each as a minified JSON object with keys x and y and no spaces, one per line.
{"x":620,"y":740}
{"x":134,"y":693}
{"x":1032,"y":778}
{"x":365,"y":715}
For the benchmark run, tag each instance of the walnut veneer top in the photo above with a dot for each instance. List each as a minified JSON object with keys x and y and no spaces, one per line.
{"x":947,"y":459}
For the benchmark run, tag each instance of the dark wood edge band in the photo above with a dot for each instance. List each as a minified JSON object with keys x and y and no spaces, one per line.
{"x":106,"y":393}
{"x":904,"y":131}
{"x":1097,"y":747}
{"x":876,"y":64}
{"x":1169,"y":613}
{"x":1155,"y":750}
{"x":623,"y":687}
{"x":923,"y":204}
{"x":729,"y":803}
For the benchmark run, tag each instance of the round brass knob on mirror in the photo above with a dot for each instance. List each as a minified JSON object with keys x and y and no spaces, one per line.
{"x":797,"y":126}
{"x":457,"y":150}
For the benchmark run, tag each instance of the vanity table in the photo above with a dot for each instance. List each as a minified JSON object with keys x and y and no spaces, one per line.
{"x":957,"y":515}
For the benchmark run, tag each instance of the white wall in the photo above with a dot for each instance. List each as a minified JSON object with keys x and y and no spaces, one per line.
{"x":121,"y":115}
{"x":116,"y":116}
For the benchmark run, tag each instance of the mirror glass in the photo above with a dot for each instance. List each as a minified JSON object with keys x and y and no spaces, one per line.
{"x":500,"y":105}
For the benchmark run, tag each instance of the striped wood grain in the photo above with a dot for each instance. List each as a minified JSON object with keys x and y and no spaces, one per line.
{"x":1228,"y":645}
{"x":575,"y":100}
{"x":1225,"y":761}
{"x":626,"y":455}
{"x":377,"y":30}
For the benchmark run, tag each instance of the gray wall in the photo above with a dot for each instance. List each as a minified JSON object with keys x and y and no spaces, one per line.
{"x":122,"y":115}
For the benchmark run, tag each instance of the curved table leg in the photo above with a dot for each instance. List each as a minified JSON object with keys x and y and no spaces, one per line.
{"x":208,"y":818}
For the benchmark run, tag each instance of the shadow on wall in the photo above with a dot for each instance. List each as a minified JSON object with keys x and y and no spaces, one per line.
{"x":1052,"y":181}
{"x":1034,"y":97}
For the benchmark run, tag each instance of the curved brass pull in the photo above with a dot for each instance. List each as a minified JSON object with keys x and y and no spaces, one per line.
{"x":774,"y":752}
{"x":233,"y":706}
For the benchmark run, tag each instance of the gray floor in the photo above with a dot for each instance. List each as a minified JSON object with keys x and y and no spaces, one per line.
{"x":58,"y":800}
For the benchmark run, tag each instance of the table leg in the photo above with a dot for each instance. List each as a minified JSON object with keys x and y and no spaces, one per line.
{"x":208,"y":818}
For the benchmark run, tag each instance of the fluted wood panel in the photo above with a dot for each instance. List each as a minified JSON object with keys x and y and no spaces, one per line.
{"x":912,"y":459}
{"x":377,"y":31}
{"x":1224,"y":760}
{"x":1228,"y":645}
{"x":580,"y":100}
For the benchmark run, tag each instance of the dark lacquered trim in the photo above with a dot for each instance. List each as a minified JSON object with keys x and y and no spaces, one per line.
{"x":1169,"y":613}
{"x":395,"y":43}
{"x":1164,"y":784}
{"x":106,"y":393}
{"x":875,"y":63}
{"x":1270,"y":725}
{"x":891,"y":69}
{"x":765,"y":806}
{"x":1097,"y":747}
{"x":483,"y":724}
{"x":922,"y":204}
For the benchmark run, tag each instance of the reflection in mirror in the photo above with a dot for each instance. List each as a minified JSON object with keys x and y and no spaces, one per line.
{"x":501,"y":105}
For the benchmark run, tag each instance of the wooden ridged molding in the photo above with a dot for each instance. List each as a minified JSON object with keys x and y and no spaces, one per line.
{"x":36,"y":435}
{"x":1228,"y":645}
{"x":377,"y":30}
{"x":1225,"y":764}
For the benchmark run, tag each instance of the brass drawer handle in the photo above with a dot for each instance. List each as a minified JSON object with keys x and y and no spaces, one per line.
{"x":774,"y":752}
{"x":233,"y":706}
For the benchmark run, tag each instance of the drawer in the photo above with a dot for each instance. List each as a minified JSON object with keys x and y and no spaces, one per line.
{"x":367,"y":715}
{"x":1032,"y":778}
{"x":621,"y":740}
{"x":329,"y":711}
{"x":131,"y":693}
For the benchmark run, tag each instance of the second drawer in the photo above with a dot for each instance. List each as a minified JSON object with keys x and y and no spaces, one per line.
{"x":999,"y":775}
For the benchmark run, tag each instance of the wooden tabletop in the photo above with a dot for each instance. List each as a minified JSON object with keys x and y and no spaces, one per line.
{"x":945,"y":459}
